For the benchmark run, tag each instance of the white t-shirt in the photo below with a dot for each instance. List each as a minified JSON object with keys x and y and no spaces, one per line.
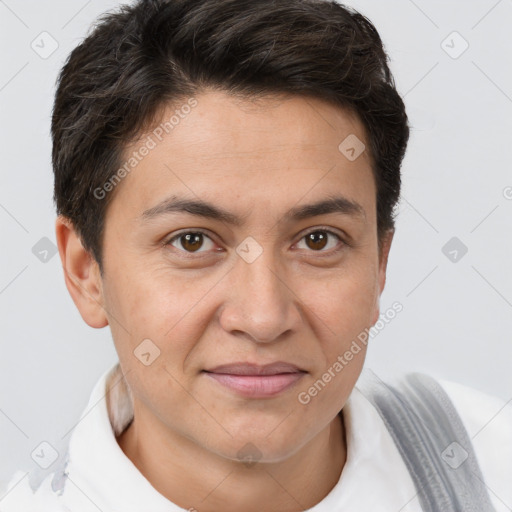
{"x":374,"y":478}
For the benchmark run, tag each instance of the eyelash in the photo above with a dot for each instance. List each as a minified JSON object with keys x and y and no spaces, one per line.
{"x":317,"y":229}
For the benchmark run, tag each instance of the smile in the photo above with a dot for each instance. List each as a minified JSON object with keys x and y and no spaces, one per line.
{"x":257,"y":386}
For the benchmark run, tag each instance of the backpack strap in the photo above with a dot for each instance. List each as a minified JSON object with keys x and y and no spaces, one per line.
{"x":432,"y":441}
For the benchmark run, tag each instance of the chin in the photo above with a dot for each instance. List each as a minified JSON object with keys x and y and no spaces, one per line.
{"x":261,"y":447}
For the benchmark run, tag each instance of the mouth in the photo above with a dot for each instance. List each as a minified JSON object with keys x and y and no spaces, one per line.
{"x":256,"y":381}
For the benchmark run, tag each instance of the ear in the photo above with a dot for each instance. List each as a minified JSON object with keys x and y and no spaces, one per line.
{"x":385,"y":246}
{"x":81,"y":274}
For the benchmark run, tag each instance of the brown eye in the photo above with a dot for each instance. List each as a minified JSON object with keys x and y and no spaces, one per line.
{"x":318,"y":240}
{"x":191,"y":242}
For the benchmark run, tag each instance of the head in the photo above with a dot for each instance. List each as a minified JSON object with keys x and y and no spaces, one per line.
{"x":191,"y":141}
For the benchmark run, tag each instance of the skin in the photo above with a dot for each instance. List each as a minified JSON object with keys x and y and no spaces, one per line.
{"x":297,"y":302}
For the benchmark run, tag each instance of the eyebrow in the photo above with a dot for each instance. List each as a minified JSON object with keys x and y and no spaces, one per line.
{"x":200,"y":208}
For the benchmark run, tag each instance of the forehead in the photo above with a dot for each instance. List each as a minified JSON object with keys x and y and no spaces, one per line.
{"x":248,"y":152}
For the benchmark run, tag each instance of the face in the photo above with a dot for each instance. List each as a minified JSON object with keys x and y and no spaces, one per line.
{"x":187,"y":289}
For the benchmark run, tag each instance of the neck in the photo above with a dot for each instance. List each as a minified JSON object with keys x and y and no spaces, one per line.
{"x":190,"y":476}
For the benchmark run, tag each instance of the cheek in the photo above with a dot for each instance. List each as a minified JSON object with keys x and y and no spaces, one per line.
{"x":343,"y":312}
{"x":172,"y":312}
{"x":345,"y":302}
{"x":151,"y":302}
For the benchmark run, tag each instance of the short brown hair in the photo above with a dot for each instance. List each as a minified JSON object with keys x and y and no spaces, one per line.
{"x":156,"y":52}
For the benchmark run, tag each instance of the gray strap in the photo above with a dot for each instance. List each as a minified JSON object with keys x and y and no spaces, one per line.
{"x":433,"y":442}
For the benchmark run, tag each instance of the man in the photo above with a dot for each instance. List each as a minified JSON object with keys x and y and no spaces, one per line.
{"x":225,"y":178}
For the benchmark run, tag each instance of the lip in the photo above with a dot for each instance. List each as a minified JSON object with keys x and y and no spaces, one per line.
{"x":256,"y":381}
{"x":243,"y":368}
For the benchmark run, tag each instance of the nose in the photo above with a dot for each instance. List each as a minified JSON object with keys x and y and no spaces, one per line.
{"x":260,"y":302}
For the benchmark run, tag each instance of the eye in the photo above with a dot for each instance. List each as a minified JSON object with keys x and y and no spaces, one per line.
{"x":318,"y":240}
{"x":191,"y":242}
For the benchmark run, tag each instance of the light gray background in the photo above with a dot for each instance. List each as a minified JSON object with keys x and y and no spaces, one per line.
{"x":457,"y":317}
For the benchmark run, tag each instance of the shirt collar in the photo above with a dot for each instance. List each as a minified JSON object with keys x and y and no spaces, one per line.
{"x":100,"y":475}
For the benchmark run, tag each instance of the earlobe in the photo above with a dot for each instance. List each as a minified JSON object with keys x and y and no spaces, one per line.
{"x":81,"y":274}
